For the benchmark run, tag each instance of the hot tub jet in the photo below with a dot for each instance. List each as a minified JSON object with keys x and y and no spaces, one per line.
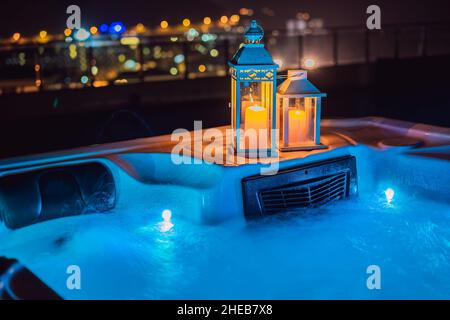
{"x":166,"y":224}
{"x":389,"y":193}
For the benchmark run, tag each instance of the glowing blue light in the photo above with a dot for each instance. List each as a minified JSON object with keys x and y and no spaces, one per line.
{"x":104,"y":28}
{"x":389,"y":193}
{"x":84,"y":79}
{"x":166,"y":224}
{"x":193,"y":33}
{"x":130,"y":64}
{"x":179,"y":58}
{"x":208,"y":37}
{"x":116,"y":28}
{"x":82,"y":35}
{"x":167,"y":215}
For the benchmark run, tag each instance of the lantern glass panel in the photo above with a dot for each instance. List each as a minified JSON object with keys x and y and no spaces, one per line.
{"x":256,"y":102}
{"x":298,"y":119}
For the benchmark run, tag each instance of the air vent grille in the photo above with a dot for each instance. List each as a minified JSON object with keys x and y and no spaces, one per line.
{"x":310,"y":185}
{"x":305,"y":194}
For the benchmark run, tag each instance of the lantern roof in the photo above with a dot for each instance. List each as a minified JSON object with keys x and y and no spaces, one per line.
{"x":252,"y":51}
{"x":297,"y":83}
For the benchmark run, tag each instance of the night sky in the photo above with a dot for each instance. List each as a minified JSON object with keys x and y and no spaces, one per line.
{"x":28,"y":17}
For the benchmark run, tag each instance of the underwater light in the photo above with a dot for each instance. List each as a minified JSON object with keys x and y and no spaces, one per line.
{"x":389,"y":193}
{"x":167,"y":215}
{"x":166,"y":224}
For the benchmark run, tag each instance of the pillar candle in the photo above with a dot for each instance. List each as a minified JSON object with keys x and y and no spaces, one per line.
{"x":297,"y":126}
{"x":256,"y":118}
{"x":246,"y":104}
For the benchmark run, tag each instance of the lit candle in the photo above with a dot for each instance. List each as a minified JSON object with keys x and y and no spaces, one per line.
{"x":297,"y":126}
{"x":256,"y":118}
{"x":246,"y":104}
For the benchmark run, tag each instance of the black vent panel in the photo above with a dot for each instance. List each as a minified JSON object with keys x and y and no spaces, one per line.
{"x":306,"y":194}
{"x":305,"y":186}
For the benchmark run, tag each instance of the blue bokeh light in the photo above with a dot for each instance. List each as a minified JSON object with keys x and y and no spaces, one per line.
{"x":104,"y":28}
{"x":117,"y":28}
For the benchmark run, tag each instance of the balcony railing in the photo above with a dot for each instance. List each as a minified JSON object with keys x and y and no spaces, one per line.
{"x":104,"y":61}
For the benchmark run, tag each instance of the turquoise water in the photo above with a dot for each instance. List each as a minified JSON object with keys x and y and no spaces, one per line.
{"x":311,"y":254}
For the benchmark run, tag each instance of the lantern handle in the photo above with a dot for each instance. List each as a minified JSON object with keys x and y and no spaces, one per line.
{"x":254,"y":33}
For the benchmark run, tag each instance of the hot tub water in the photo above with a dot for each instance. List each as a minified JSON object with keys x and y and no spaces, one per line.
{"x":316,"y":253}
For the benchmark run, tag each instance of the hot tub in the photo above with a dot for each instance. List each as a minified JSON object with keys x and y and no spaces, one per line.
{"x":180,"y":232}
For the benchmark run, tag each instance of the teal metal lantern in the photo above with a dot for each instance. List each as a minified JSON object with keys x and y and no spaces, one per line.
{"x":253,"y":96}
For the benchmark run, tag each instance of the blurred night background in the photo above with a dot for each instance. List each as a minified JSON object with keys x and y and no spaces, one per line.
{"x":142,"y":68}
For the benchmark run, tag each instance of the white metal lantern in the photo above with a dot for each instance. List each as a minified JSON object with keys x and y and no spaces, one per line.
{"x":299,"y":104}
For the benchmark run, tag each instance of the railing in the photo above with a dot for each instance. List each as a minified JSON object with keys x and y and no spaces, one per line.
{"x":355,"y":45}
{"x":104,"y":61}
